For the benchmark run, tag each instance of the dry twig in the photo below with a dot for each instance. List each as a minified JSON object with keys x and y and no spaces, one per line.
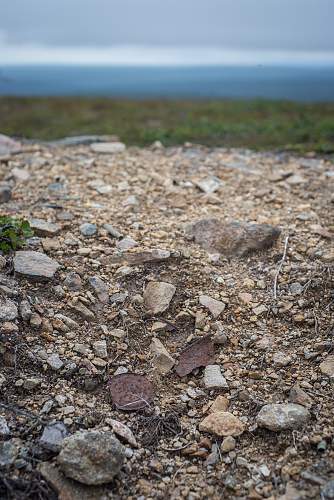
{"x":280,"y":266}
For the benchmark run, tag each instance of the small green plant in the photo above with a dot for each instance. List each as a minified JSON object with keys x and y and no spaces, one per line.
{"x":13,"y":233}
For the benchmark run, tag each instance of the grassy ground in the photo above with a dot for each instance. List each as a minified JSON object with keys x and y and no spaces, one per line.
{"x":255,"y":124}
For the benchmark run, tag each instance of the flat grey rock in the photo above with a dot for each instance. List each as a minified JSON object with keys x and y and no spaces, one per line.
{"x":44,"y":228}
{"x":91,"y":457}
{"x":35,"y":265}
{"x":213,"y":378}
{"x":236,"y":239}
{"x":108,"y":147}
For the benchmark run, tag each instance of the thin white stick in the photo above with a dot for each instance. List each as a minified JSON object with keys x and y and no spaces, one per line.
{"x":280,"y":266}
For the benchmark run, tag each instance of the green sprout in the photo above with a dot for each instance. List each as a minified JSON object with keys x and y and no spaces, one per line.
{"x":13,"y":233}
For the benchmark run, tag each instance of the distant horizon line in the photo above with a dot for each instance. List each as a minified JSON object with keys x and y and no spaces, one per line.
{"x":127,"y":55}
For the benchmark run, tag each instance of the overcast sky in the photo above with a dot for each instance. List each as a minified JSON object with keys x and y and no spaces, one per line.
{"x":237,"y":24}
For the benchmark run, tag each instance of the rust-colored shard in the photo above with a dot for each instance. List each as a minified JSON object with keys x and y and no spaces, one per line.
{"x":130,"y":391}
{"x":200,"y":353}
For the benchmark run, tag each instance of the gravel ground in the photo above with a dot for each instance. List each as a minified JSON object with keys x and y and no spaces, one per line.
{"x":246,"y":412}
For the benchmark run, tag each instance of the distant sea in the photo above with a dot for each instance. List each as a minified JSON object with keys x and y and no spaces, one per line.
{"x":300,"y":83}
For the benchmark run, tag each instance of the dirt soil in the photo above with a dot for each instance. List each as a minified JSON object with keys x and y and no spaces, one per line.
{"x":266,"y":341}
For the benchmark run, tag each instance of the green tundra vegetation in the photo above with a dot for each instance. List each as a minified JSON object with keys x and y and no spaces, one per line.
{"x":255,"y":124}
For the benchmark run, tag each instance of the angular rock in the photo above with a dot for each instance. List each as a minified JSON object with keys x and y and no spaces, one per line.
{"x":122,"y":431}
{"x":222,"y":423}
{"x":162,"y":360}
{"x":282,"y":416}
{"x":35,"y":265}
{"x":73,"y":282}
{"x":221,"y":403}
{"x":155,"y":255}
{"x":84,"y":312}
{"x":43,"y":228}
{"x":108,"y":147}
{"x":228,"y":444}
{"x":9,"y":451}
{"x":236,"y":239}
{"x":327,"y":366}
{"x":8,"y":310}
{"x":126,"y":243}
{"x":100,"y":348}
{"x":53,"y":436}
{"x":281,"y":359}
{"x":4,"y":429}
{"x":199,"y":353}
{"x":299,"y":396}
{"x":8,"y":145}
{"x":20,"y":174}
{"x":91,"y":457}
{"x":55,"y":362}
{"x":5,"y":193}
{"x":87,"y":229}
{"x":67,"y":489}
{"x":101,"y":289}
{"x":112,"y":231}
{"x":157,"y":296}
{"x":213,"y":378}
{"x":209,"y":184}
{"x":215,"y":306}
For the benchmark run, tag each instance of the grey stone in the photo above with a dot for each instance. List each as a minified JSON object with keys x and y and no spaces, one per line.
{"x":216,"y":307}
{"x":213,"y":378}
{"x":25,"y":310}
{"x":282,"y":416}
{"x":55,"y":362}
{"x":87,"y":229}
{"x":8,"y":145}
{"x":35,"y":265}
{"x":53,"y":436}
{"x":43,"y":228}
{"x":232,"y":239}
{"x":157,"y":296}
{"x":8,"y":310}
{"x":4,"y":429}
{"x":91,"y":457}
{"x":209,"y":184}
{"x":112,"y":231}
{"x":73,"y":282}
{"x":9,"y":451}
{"x":100,"y":349}
{"x":108,"y":147}
{"x":328,"y":489}
{"x":31,"y":383}
{"x":100,"y":288}
{"x":5,"y":193}
{"x":126,"y":243}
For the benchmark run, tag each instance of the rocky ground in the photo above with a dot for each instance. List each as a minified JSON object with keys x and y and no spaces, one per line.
{"x":167,"y":331}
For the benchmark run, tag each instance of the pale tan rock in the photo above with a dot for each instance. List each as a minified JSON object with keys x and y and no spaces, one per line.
{"x":157,"y":296}
{"x":216,"y":307}
{"x":222,"y":423}
{"x":327,"y":366}
{"x":162,"y":360}
{"x":221,"y":403}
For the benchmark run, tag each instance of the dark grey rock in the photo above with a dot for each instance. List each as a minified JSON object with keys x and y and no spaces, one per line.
{"x":91,"y":457}
{"x":73,"y":282}
{"x":53,"y":436}
{"x":5,"y":193}
{"x":100,"y":288}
